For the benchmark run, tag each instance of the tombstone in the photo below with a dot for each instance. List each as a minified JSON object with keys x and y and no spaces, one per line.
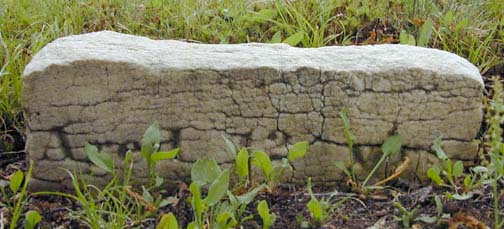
{"x":106,"y":88}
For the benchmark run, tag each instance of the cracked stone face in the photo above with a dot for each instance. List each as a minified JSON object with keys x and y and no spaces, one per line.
{"x":106,"y":88}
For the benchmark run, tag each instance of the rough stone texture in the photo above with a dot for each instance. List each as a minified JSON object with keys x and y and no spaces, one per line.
{"x":107,"y":88}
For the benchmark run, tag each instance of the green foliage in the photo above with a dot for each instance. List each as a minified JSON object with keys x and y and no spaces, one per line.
{"x":424,"y":35}
{"x":244,"y":162}
{"x":100,"y":159}
{"x":267,"y":218}
{"x":111,"y":206}
{"x":219,"y":186}
{"x":149,"y":151}
{"x":350,"y":138}
{"x":16,"y":198}
{"x":242,"y":165}
{"x":168,"y":221}
{"x":407,"y":216}
{"x":238,"y":204}
{"x":116,"y":203}
{"x":263,"y":161}
{"x":494,"y":171}
{"x":31,"y":220}
{"x":16,"y":180}
{"x":205,"y":171}
{"x":390,"y":147}
{"x":319,"y":210}
{"x":298,"y":150}
{"x":451,"y":175}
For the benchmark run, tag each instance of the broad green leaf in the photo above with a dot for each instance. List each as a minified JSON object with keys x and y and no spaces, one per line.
{"x":168,"y":221}
{"x":264,"y":212}
{"x":242,"y":163}
{"x":392,"y":145}
{"x":226,"y":220}
{"x":158,"y":156}
{"x":434,"y":176}
{"x":150,"y":140}
{"x":249,"y":196}
{"x":32,"y":218}
{"x":152,"y":135}
{"x":231,"y":146}
{"x":101,"y":160}
{"x":263,"y":161}
{"x":16,"y":180}
{"x":294,"y":39}
{"x":437,"y":148}
{"x":205,"y":171}
{"x":406,"y":39}
{"x":277,"y":37}
{"x":298,"y":150}
{"x":315,"y":209}
{"x":217,"y":189}
{"x":458,"y":169}
{"x":425,"y":33}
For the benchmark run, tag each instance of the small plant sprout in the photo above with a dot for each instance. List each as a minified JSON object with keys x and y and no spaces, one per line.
{"x":273,"y":174}
{"x":449,"y":175}
{"x":391,"y":146}
{"x":149,"y":151}
{"x":267,"y":218}
{"x":407,"y":216}
{"x":350,"y":138}
{"x":206,"y":172}
{"x":321,"y":208}
{"x":16,"y":197}
{"x":32,"y":218}
{"x":242,"y":166}
{"x":168,"y":221}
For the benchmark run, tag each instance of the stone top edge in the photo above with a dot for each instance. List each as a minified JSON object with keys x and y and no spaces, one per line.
{"x":158,"y":55}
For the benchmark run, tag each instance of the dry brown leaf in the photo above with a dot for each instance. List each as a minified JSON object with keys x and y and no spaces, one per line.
{"x":148,"y":206}
{"x":398,"y":171}
{"x":416,"y":226}
{"x":467,"y":220}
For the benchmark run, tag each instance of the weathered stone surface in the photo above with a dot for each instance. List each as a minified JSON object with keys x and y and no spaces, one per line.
{"x":106,"y":88}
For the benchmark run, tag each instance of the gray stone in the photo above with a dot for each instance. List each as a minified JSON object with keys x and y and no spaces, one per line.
{"x":106,"y":88}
